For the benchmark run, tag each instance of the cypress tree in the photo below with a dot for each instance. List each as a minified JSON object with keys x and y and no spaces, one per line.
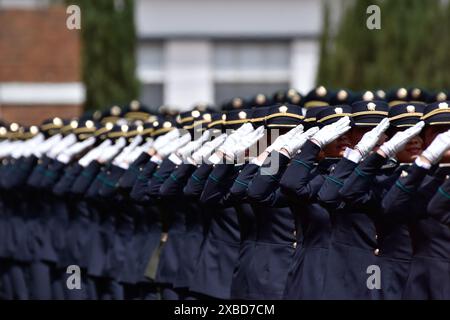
{"x":108,"y":52}
{"x":411,"y":49}
{"x":323,"y":71}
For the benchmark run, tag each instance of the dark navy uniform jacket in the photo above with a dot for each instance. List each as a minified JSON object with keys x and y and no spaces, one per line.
{"x":16,"y":205}
{"x":84,"y":221}
{"x":439,"y":206}
{"x":102,"y":221}
{"x":163,"y":273}
{"x":128,"y":179}
{"x":197,"y":224}
{"x":220,"y":250}
{"x":276,"y":235}
{"x":236,"y":197}
{"x":63,"y":208}
{"x":177,"y":248}
{"x":150,"y":215}
{"x":301,"y":182}
{"x":139,"y":190}
{"x":408,"y":199}
{"x":147,"y":232}
{"x":240,"y":286}
{"x":121,"y":257}
{"x":41,"y":218}
{"x":362,"y":235}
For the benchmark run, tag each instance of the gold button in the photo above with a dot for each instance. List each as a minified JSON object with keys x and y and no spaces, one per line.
{"x":294,"y":244}
{"x":376,"y":237}
{"x":295,"y":233}
{"x":377,"y":252}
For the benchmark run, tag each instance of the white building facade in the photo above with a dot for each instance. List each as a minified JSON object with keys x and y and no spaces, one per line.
{"x":192,"y":51}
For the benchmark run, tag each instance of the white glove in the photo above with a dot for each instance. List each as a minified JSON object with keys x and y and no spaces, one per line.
{"x":296,"y":142}
{"x":24,"y":148}
{"x":16,"y":153}
{"x":46,"y":145}
{"x":205,"y":151}
{"x":245,"y":142}
{"x":32,"y":144}
{"x":121,"y":158}
{"x":78,"y":147}
{"x":137,"y":152}
{"x":8,"y":148}
{"x":111,"y":151}
{"x":283,"y":139}
{"x":163,"y":140}
{"x":62,"y":145}
{"x":437,"y":148}
{"x":174,"y":145}
{"x":4,"y":146}
{"x":367,"y":142}
{"x":331,"y":132}
{"x":244,"y":129}
{"x":400,"y":139}
{"x":192,"y":146}
{"x":233,"y":139}
{"x":94,"y":154}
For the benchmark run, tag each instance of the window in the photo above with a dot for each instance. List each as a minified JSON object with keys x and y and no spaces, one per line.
{"x":247,"y":68}
{"x":150,"y":64}
{"x":152,"y":95}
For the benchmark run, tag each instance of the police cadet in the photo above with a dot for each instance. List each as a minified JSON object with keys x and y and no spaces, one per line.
{"x":17,"y":164}
{"x":55,"y":185}
{"x":300,"y":183}
{"x":409,"y":198}
{"x":360,"y":229}
{"x":147,"y":203}
{"x":175,"y":211}
{"x":217,"y":192}
{"x":232,"y":193}
{"x":220,"y":251}
{"x":273,"y":250}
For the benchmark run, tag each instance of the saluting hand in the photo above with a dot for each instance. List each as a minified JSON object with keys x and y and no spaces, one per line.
{"x":205,"y":151}
{"x":331,"y":132}
{"x":163,"y":140}
{"x":399,"y":140}
{"x":192,"y":146}
{"x":173,"y":145}
{"x":437,"y":148}
{"x":367,"y":142}
{"x":294,"y":144}
{"x":283,"y":139}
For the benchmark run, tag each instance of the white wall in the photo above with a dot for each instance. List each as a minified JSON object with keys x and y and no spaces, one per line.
{"x":228,"y":18}
{"x":186,"y":32}
{"x":187,"y":76}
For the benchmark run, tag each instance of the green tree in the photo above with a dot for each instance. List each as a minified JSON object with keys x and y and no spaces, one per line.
{"x":108,"y":52}
{"x":411,"y":49}
{"x":323,"y":71}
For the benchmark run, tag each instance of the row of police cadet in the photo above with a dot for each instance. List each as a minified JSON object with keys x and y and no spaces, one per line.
{"x":332,"y":195}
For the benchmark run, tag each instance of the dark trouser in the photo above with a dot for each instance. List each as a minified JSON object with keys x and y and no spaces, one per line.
{"x":170,"y":293}
{"x":148,"y":291}
{"x":109,"y":289}
{"x":13,"y":280}
{"x":39,"y":281}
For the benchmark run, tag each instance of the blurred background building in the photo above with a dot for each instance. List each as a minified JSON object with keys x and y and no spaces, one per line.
{"x":40,"y":66}
{"x":181,"y":52}
{"x":203,"y":50}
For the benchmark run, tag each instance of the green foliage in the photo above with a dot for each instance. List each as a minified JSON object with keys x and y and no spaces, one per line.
{"x":411,"y":48}
{"x":108,"y":52}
